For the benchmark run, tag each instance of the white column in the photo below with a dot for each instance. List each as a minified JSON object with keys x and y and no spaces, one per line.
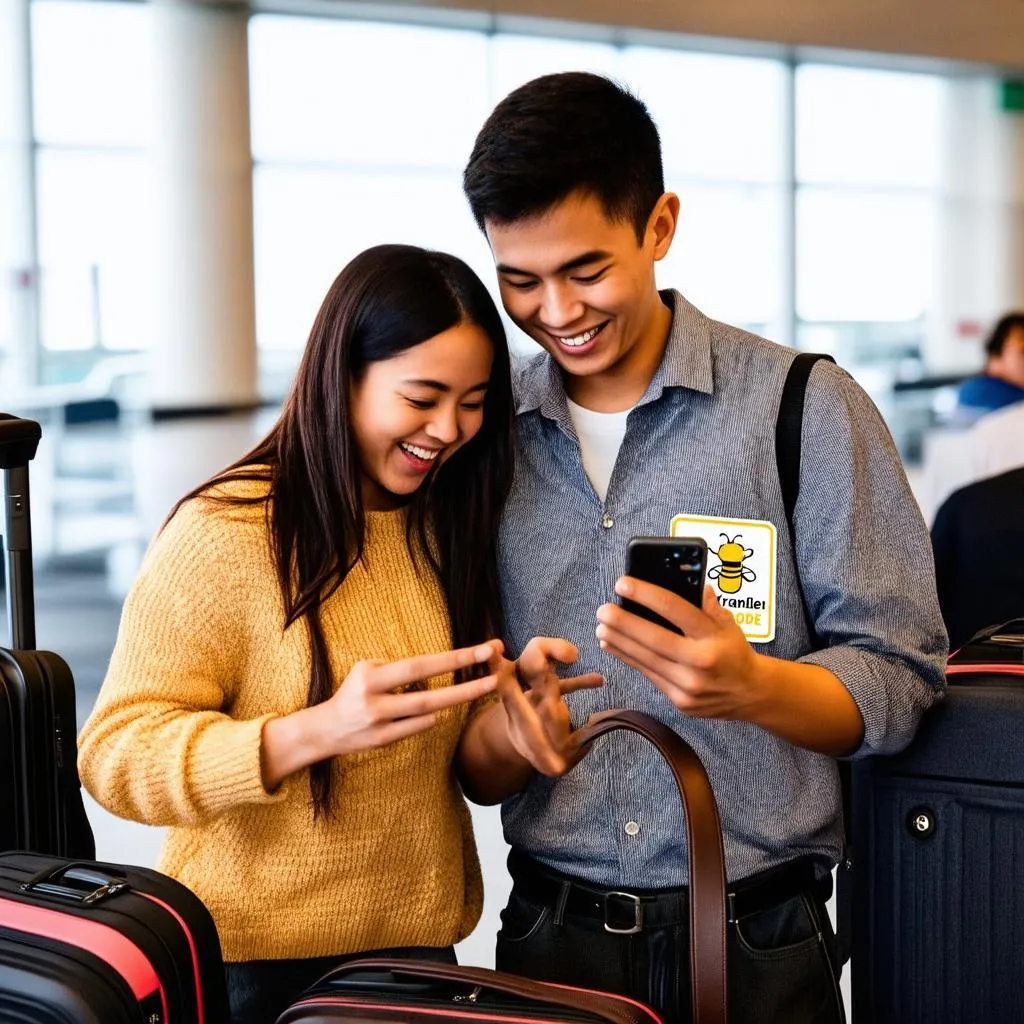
{"x":19,"y":272}
{"x":204,"y":351}
{"x":979,"y":248}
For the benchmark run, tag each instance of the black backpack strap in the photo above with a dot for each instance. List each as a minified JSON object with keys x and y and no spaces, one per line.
{"x":788,"y":432}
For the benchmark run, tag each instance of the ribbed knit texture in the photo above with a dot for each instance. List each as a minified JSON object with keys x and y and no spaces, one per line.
{"x":200,"y":664}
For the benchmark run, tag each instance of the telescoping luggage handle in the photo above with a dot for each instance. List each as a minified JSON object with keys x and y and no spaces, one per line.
{"x":707,"y":887}
{"x":18,"y":442}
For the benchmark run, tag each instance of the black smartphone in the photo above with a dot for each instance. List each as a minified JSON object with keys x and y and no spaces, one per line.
{"x":678,"y":564}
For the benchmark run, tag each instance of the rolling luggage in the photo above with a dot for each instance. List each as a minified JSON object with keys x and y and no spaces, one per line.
{"x":41,"y":805}
{"x":92,"y":943}
{"x":409,"y":991}
{"x":938,"y":829}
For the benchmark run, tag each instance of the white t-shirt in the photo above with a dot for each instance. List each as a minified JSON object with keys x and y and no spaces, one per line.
{"x":600,"y":435}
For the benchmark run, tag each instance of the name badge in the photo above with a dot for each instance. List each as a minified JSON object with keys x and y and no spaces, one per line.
{"x":741,"y":568}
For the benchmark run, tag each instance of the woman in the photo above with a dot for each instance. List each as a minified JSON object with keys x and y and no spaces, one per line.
{"x":318,"y":820}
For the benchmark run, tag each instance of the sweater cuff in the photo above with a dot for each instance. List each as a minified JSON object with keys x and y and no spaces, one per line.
{"x":226,"y":762}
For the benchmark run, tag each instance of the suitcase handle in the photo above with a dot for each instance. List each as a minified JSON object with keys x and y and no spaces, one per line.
{"x":18,"y":440}
{"x":94,"y":885}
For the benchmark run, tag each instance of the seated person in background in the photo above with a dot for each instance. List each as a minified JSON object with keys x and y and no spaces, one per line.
{"x":275,"y":695}
{"x":978,"y":540}
{"x":1002,"y":381}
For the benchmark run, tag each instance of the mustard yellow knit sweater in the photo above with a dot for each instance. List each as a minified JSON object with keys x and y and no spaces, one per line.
{"x":201,"y":663}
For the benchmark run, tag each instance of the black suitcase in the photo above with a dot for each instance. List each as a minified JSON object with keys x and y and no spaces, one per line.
{"x":41,"y":805}
{"x":938,"y":841}
{"x":92,"y":943}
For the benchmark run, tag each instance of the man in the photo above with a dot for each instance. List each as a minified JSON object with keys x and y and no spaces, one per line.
{"x":644,"y":417}
{"x":1002,"y":381}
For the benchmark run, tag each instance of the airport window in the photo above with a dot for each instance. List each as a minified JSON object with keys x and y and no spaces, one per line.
{"x":868,"y":166}
{"x":815,"y":197}
{"x":331,"y":182}
{"x":92,"y":181}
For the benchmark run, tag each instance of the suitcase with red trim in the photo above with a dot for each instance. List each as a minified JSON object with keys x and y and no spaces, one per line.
{"x":938,"y":849}
{"x":399,"y":991}
{"x":83,"y":942}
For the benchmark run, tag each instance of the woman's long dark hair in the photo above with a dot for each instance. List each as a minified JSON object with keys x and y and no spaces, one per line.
{"x":388,"y":299}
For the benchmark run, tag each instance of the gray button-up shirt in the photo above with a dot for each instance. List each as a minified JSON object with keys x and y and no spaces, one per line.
{"x":701,"y":442}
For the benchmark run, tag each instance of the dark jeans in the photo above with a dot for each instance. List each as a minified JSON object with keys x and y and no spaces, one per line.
{"x":782,"y":966}
{"x":259,"y":991}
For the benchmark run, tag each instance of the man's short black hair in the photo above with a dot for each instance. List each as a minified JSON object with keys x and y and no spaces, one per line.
{"x":1002,"y":330}
{"x":565,"y":133}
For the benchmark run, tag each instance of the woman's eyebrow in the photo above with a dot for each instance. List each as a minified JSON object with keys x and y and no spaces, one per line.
{"x":441,"y":386}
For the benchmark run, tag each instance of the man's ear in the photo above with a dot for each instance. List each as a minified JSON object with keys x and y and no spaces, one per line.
{"x":661,"y":225}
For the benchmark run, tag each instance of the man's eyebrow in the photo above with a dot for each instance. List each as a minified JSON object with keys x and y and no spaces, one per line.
{"x":440,"y":386}
{"x":594,"y":256}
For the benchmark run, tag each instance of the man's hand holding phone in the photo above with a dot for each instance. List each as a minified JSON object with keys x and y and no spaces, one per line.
{"x":699,"y":658}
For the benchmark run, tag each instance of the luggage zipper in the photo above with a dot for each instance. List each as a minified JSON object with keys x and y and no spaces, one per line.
{"x":471,"y":998}
{"x":479,"y":1012}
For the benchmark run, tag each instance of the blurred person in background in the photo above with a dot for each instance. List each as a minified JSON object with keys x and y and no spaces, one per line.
{"x":1001,"y":383}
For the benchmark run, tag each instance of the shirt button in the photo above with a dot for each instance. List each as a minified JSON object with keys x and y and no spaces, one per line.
{"x":607,"y":522}
{"x":631,"y":828}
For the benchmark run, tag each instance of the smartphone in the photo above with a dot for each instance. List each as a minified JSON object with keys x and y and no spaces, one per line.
{"x":678,"y":564}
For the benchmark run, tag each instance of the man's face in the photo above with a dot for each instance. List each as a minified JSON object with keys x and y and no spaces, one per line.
{"x":581,"y":285}
{"x":1009,"y":364}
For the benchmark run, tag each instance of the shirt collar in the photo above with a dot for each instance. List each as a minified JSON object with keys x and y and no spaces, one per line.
{"x":686,"y":363}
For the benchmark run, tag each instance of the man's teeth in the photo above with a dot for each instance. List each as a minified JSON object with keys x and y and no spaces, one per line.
{"x":427,"y":454}
{"x":580,"y":339}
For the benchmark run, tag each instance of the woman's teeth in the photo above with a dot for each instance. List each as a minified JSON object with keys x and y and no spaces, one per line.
{"x":427,"y":454}
{"x":580,"y":339}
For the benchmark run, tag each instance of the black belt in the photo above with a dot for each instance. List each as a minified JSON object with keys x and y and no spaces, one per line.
{"x":628,"y":912}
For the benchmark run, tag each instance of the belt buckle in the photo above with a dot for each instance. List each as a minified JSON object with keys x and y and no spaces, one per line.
{"x":638,"y":914}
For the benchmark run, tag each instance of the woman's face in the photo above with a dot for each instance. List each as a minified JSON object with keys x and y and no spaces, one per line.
{"x":414,"y":410}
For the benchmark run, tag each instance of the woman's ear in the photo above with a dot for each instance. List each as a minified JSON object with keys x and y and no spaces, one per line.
{"x":661,"y":225}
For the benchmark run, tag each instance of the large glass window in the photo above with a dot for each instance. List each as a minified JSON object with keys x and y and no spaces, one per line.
{"x":867,"y":161}
{"x":93,"y":121}
{"x":350,"y":154}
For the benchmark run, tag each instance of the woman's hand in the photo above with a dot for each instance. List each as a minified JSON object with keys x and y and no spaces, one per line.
{"x":370,"y":709}
{"x":537,"y":718}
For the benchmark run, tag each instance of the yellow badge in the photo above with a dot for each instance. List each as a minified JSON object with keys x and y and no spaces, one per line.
{"x":741,"y":568}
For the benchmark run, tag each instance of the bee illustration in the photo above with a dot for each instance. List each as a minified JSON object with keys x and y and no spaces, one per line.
{"x":732,"y":572}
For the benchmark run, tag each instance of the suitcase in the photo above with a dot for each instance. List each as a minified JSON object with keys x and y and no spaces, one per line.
{"x":41,"y":805}
{"x":92,"y":943}
{"x":938,"y":907}
{"x":392,"y":991}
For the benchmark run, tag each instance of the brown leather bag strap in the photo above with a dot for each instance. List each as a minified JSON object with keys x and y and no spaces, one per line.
{"x":707,"y":859}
